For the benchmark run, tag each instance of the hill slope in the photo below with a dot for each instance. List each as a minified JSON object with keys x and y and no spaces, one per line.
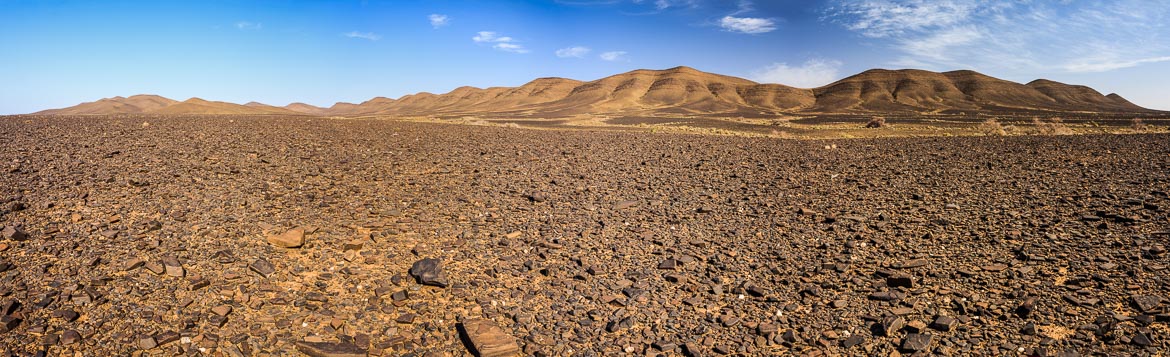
{"x":687,"y":91}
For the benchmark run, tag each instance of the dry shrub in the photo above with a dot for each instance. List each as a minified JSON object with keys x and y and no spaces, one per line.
{"x":876,"y":122}
{"x":1052,"y":126}
{"x":992,"y":127}
{"x":1138,"y":125}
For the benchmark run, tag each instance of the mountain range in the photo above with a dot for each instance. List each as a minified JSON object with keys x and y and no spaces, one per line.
{"x":685,"y":91}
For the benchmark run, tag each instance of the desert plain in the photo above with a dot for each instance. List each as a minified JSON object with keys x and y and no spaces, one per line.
{"x":239,"y":235}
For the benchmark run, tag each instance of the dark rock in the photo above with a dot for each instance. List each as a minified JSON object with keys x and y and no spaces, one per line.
{"x":904,"y":281}
{"x":14,"y":233}
{"x":853,"y":340}
{"x":1027,"y":307}
{"x":8,"y":323}
{"x":429,"y":272}
{"x":1146,"y":303}
{"x":70,"y":337}
{"x":944,"y":323}
{"x":262,"y":267}
{"x":916,"y":342}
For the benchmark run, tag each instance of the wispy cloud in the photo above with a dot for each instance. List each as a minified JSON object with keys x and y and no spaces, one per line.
{"x":748,"y":25}
{"x":575,"y":51}
{"x":813,"y":73}
{"x":439,"y":20}
{"x":363,"y":35}
{"x":499,"y":42}
{"x":613,"y":56}
{"x":246,"y":25}
{"x":1013,"y":37}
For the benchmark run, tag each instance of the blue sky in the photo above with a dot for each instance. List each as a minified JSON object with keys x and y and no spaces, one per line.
{"x":56,"y":53}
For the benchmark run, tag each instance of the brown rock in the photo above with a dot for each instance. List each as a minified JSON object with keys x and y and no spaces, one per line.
{"x":14,"y":233}
{"x":293,"y":238}
{"x":222,"y":310}
{"x":488,"y":339}
{"x":173,"y":267}
{"x":70,"y":337}
{"x":262,"y":267}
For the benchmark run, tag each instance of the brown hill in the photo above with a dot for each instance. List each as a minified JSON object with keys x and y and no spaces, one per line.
{"x":307,"y":109}
{"x":200,"y":106}
{"x":923,"y":91}
{"x":685,"y":90}
{"x":134,"y":104}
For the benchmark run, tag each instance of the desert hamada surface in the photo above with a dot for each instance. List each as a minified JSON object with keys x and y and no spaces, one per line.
{"x":716,"y":178}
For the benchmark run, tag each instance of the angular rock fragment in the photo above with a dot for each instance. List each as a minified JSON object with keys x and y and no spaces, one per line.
{"x":429,"y":271}
{"x":488,"y":339}
{"x":262,"y":267}
{"x":944,"y":323}
{"x":70,"y":337}
{"x":173,"y":267}
{"x":916,"y":342}
{"x":8,"y":323}
{"x":13,"y":233}
{"x":1146,"y":303}
{"x":293,"y":238}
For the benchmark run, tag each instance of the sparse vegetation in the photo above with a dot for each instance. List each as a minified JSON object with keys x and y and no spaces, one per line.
{"x":992,"y":127}
{"x":1052,"y":126}
{"x":876,"y":122}
{"x":1138,"y":125}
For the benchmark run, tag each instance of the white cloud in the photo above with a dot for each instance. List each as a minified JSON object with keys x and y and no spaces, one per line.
{"x":502,"y":43}
{"x":245,"y":25}
{"x":439,"y":20}
{"x":489,"y":36}
{"x":749,"y":25}
{"x":882,"y":18}
{"x":363,"y":35}
{"x":575,"y":51}
{"x":1018,"y":37}
{"x":813,"y":73}
{"x":510,"y":47}
{"x":613,"y":55}
{"x":1104,"y":65}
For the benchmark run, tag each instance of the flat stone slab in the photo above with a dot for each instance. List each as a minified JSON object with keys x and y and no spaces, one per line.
{"x":488,"y":339}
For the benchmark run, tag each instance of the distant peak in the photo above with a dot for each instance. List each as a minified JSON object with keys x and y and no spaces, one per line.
{"x":1042,"y":82}
{"x":195,"y":100}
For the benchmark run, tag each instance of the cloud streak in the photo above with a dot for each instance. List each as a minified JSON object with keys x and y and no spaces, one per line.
{"x":499,"y":42}
{"x":363,"y":35}
{"x":613,"y":56}
{"x":574,"y":52}
{"x":1013,"y":37}
{"x":748,"y":25}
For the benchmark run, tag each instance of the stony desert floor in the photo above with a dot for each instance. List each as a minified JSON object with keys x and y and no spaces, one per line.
{"x":167,"y":235}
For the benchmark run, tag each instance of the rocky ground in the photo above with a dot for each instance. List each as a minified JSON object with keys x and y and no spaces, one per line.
{"x":229,"y":236}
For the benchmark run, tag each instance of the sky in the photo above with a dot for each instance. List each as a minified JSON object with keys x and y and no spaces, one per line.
{"x":57,"y":53}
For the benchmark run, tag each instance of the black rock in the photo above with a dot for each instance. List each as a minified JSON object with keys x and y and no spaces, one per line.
{"x":1146,"y":303}
{"x":1027,"y":307}
{"x":916,"y":342}
{"x":262,"y":267}
{"x":944,"y":323}
{"x":429,"y":272}
{"x":904,"y":281}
